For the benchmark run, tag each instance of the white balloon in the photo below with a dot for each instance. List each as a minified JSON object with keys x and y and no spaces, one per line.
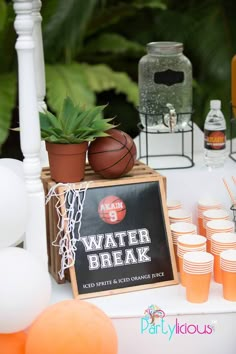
{"x":15,"y":166}
{"x":13,"y":207}
{"x":25,"y":289}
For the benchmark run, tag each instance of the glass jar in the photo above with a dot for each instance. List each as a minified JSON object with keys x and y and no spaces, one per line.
{"x":165,"y":86}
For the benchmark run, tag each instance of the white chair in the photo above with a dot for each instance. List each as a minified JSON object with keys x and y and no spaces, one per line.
{"x":31,"y":75}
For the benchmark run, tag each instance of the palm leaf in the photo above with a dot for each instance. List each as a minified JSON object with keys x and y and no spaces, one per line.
{"x":65,"y":30}
{"x":7,"y":102}
{"x":113,"y":43}
{"x":102,"y":78}
{"x":112,"y":14}
{"x":67,"y":80}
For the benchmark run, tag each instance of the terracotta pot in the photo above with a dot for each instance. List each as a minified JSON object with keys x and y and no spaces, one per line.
{"x":67,"y":161}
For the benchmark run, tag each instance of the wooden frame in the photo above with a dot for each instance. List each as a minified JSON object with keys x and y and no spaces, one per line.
{"x":156,"y":181}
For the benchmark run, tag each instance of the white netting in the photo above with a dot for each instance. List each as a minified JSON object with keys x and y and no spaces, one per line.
{"x":69,"y":207}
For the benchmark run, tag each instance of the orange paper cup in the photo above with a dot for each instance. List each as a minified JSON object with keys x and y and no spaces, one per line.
{"x":208,"y":245}
{"x":203,"y":205}
{"x":197,"y":287}
{"x":201,"y":229}
{"x":181,"y":271}
{"x":214,"y":214}
{"x":180,"y":215}
{"x":173,"y":204}
{"x":191,"y":240}
{"x":217,"y":269}
{"x":176,"y":257}
{"x":229,"y":285}
{"x":198,"y":268}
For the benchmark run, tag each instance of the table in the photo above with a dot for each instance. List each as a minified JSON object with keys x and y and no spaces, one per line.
{"x":126,"y":310}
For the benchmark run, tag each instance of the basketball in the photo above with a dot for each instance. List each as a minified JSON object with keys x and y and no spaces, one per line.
{"x":112,"y":156}
{"x":112,"y":209}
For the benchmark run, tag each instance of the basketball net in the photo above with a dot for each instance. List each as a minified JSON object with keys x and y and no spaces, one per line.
{"x":69,"y":208}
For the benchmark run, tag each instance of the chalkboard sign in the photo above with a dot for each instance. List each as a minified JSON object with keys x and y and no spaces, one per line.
{"x":169,"y":77}
{"x":125,"y":241}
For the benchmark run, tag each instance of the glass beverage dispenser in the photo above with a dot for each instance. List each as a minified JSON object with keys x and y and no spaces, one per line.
{"x":165,"y":87}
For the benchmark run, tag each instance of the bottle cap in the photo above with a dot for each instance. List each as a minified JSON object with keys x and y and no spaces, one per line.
{"x":215,"y":104}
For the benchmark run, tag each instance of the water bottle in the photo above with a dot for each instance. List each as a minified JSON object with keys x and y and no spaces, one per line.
{"x":215,"y":136}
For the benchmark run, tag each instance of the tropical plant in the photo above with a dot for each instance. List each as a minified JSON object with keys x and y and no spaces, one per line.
{"x":92,"y":50}
{"x":81,"y":47}
{"x":74,"y":125}
{"x":81,"y":59}
{"x":8,"y":84}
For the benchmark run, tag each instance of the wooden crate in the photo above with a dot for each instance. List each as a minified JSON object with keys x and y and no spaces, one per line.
{"x":140,"y":172}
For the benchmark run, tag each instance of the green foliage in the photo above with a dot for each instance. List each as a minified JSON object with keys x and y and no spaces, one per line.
{"x":113,"y":43}
{"x":65,"y":31}
{"x":102,"y":78}
{"x":8,"y":84}
{"x":74,"y":125}
{"x":67,"y":80}
{"x":7,"y":102}
{"x":115,"y":11}
{"x":209,"y":35}
{"x":92,"y":49}
{"x":3,"y":14}
{"x":80,"y":46}
{"x":82,"y":81}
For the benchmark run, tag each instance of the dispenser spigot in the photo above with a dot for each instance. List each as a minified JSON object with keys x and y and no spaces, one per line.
{"x":170,"y":118}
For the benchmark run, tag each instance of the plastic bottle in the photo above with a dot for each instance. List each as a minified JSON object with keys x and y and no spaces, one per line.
{"x":215,"y":136}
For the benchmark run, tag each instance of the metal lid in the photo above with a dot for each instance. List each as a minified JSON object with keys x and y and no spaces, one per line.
{"x":164,"y":48}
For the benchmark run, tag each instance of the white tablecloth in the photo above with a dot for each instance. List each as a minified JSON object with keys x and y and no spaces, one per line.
{"x":187,"y":185}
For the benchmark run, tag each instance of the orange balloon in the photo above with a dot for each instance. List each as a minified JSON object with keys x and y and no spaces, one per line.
{"x":72,"y":327}
{"x":12,"y":343}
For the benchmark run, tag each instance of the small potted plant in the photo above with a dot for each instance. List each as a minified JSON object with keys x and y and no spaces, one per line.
{"x":67,"y":138}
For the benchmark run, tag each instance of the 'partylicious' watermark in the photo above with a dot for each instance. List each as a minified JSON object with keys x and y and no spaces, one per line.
{"x":154,"y":322}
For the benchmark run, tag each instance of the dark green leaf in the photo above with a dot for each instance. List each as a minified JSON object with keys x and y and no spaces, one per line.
{"x":66,"y":28}
{"x":48,"y":120}
{"x":3,"y":14}
{"x":101,"y":78}
{"x":67,"y":80}
{"x":7,"y":102}
{"x":111,"y":15}
{"x":113,"y":43}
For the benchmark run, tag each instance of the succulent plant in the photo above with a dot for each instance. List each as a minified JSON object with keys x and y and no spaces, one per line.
{"x":74,"y":125}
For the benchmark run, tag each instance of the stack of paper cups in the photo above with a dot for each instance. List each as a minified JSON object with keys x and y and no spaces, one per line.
{"x":198,"y":267}
{"x":203,"y":205}
{"x":228,"y":267}
{"x":173,"y":204}
{"x":217,"y":226}
{"x":189,"y":243}
{"x":213,"y":214}
{"x":178,"y":229}
{"x":179,"y":215}
{"x":219,"y":243}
